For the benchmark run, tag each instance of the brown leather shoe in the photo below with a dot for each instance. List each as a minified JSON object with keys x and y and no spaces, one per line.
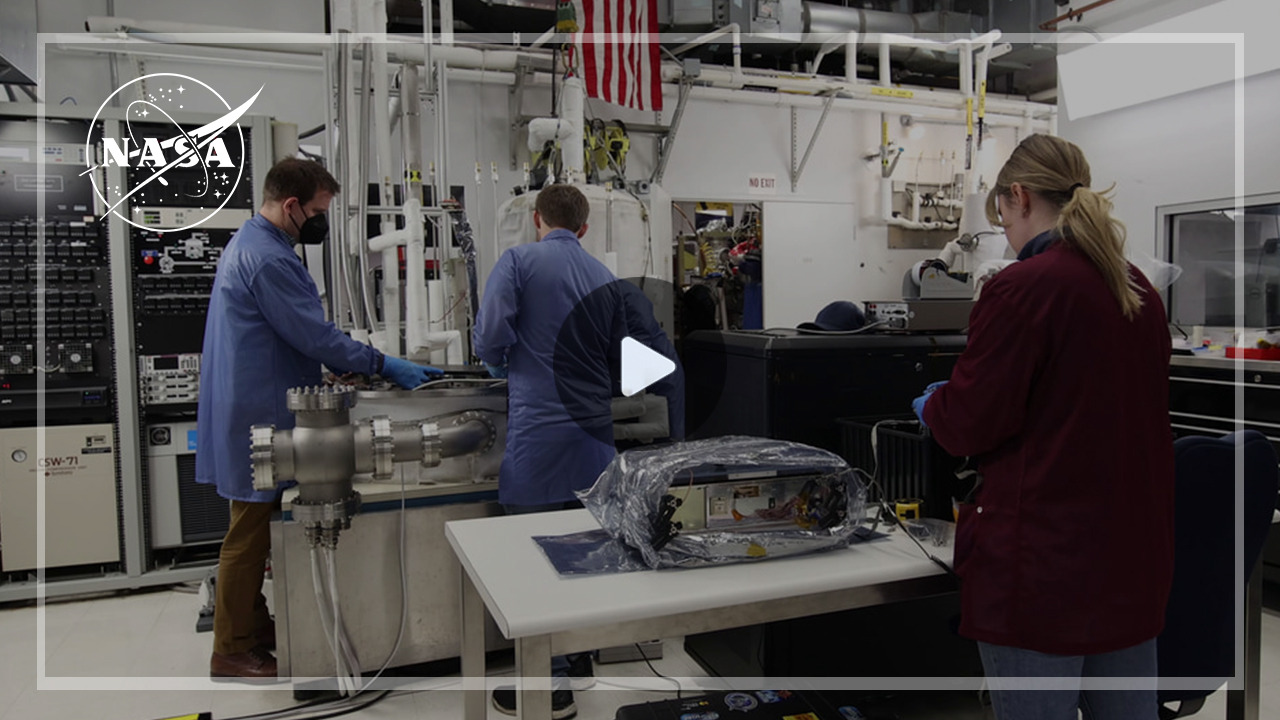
{"x":266,"y":637}
{"x":257,"y":664}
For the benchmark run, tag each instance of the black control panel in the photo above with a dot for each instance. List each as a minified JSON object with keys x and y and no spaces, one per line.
{"x":53,"y":277}
{"x":173,"y":269}
{"x":173,"y":278}
{"x":55,"y":295}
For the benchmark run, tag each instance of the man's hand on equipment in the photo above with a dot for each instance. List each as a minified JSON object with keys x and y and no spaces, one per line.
{"x":919,"y":403}
{"x":406,"y":374}
{"x":497,"y":371}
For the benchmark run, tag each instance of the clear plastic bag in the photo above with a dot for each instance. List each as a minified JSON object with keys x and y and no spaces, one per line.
{"x":629,"y":497}
{"x":1159,"y":273}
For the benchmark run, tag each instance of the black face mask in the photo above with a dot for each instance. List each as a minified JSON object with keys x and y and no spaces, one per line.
{"x":313,"y":231}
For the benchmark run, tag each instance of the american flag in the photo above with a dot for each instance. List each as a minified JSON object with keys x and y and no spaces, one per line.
{"x":620,"y":61}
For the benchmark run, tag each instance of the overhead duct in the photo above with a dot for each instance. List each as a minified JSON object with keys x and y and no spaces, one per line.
{"x":18,"y":49}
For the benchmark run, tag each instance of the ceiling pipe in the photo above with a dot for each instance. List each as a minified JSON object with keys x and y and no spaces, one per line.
{"x":499,"y":66}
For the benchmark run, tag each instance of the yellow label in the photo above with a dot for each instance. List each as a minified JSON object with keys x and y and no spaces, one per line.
{"x":968,"y":114}
{"x":413,"y":175}
{"x":806,"y":716}
{"x":982,"y":99}
{"x":884,"y":133}
{"x":756,"y":551}
{"x":185,"y":717}
{"x":893,"y":92}
{"x":704,"y":206}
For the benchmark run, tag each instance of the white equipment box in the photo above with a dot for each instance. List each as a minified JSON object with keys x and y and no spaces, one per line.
{"x":77,"y":465}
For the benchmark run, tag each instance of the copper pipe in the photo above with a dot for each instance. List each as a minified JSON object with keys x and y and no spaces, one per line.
{"x":1071,"y":15}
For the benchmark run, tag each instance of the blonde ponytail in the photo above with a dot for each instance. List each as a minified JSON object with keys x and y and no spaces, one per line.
{"x":1056,"y":170}
{"x":1086,"y":224}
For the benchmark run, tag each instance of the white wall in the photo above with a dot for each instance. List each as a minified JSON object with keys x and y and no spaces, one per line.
{"x":1182,"y":148}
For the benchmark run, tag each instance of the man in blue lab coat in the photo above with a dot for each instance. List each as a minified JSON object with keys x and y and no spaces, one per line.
{"x":266,"y":333}
{"x":552,"y":321}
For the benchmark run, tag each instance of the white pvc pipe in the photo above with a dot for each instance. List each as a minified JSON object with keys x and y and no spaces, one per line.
{"x":913,"y":225}
{"x":544,"y":130}
{"x":572,"y":111}
{"x":446,"y":345}
{"x":415,"y":278}
{"x":885,"y":76}
{"x":436,"y":310}
{"x":850,"y":59}
{"x":389,"y":240}
{"x":544,"y":38}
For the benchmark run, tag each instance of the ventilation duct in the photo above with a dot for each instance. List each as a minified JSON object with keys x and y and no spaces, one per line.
{"x":18,"y":51}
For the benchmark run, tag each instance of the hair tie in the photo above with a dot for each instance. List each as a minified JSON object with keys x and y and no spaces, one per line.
{"x":1073,"y":188}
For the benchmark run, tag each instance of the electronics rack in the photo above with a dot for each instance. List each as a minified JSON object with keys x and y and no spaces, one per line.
{"x":54,"y":277}
{"x":138,"y":565}
{"x":173,"y":272}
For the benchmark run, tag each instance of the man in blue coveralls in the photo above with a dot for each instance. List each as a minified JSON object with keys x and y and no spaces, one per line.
{"x":559,"y":354}
{"x":266,"y":333}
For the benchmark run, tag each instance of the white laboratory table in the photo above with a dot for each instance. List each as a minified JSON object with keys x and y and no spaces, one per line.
{"x":505,"y":572}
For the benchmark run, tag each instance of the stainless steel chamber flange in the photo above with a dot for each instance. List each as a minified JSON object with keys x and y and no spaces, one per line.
{"x":324,"y":451}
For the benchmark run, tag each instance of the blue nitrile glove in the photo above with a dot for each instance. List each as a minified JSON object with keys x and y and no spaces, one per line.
{"x":497,"y":371}
{"x":919,"y":403}
{"x":406,"y":374}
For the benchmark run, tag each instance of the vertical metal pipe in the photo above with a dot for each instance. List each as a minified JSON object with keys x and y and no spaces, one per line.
{"x":330,"y":292}
{"x":415,"y":284}
{"x":850,"y":58}
{"x":341,"y":293}
{"x":428,"y":30}
{"x":362,"y":170}
{"x":444,"y":228}
{"x":446,"y":22}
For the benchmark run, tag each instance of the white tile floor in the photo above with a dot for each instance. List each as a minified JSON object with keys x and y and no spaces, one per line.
{"x":152,"y":635}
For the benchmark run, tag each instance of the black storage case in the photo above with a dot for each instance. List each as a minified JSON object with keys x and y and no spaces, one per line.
{"x":789,"y":385}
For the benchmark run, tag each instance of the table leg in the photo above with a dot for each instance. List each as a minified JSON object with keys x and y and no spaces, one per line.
{"x":533,"y":666}
{"x":1244,"y":704}
{"x":474,"y":703}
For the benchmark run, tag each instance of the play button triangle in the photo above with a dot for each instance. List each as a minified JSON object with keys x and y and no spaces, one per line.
{"x":642,"y":367}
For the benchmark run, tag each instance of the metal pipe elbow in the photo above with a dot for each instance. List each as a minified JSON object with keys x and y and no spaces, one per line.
{"x":473,"y":433}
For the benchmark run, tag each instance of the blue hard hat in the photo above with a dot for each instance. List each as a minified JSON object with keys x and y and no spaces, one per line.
{"x":839,"y":316}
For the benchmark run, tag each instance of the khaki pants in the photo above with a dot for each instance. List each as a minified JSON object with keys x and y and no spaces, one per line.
{"x":240,"y":612}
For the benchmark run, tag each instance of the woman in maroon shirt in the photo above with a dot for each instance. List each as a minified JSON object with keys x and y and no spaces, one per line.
{"x":1066,"y":553}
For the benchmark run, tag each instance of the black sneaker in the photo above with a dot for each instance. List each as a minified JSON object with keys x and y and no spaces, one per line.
{"x":562,"y":705}
{"x":581,"y":676}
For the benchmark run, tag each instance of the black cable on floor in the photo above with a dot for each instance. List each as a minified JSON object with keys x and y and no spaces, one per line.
{"x":654,"y":670}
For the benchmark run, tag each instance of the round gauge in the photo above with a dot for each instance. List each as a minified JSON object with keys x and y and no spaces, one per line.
{"x":19,"y":455}
{"x":15,"y":359}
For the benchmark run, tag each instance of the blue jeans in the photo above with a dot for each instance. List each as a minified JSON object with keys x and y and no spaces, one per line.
{"x":1061,"y":703}
{"x":559,"y":663}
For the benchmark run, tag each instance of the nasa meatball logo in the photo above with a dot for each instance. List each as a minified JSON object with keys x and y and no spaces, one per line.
{"x":207,"y":147}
